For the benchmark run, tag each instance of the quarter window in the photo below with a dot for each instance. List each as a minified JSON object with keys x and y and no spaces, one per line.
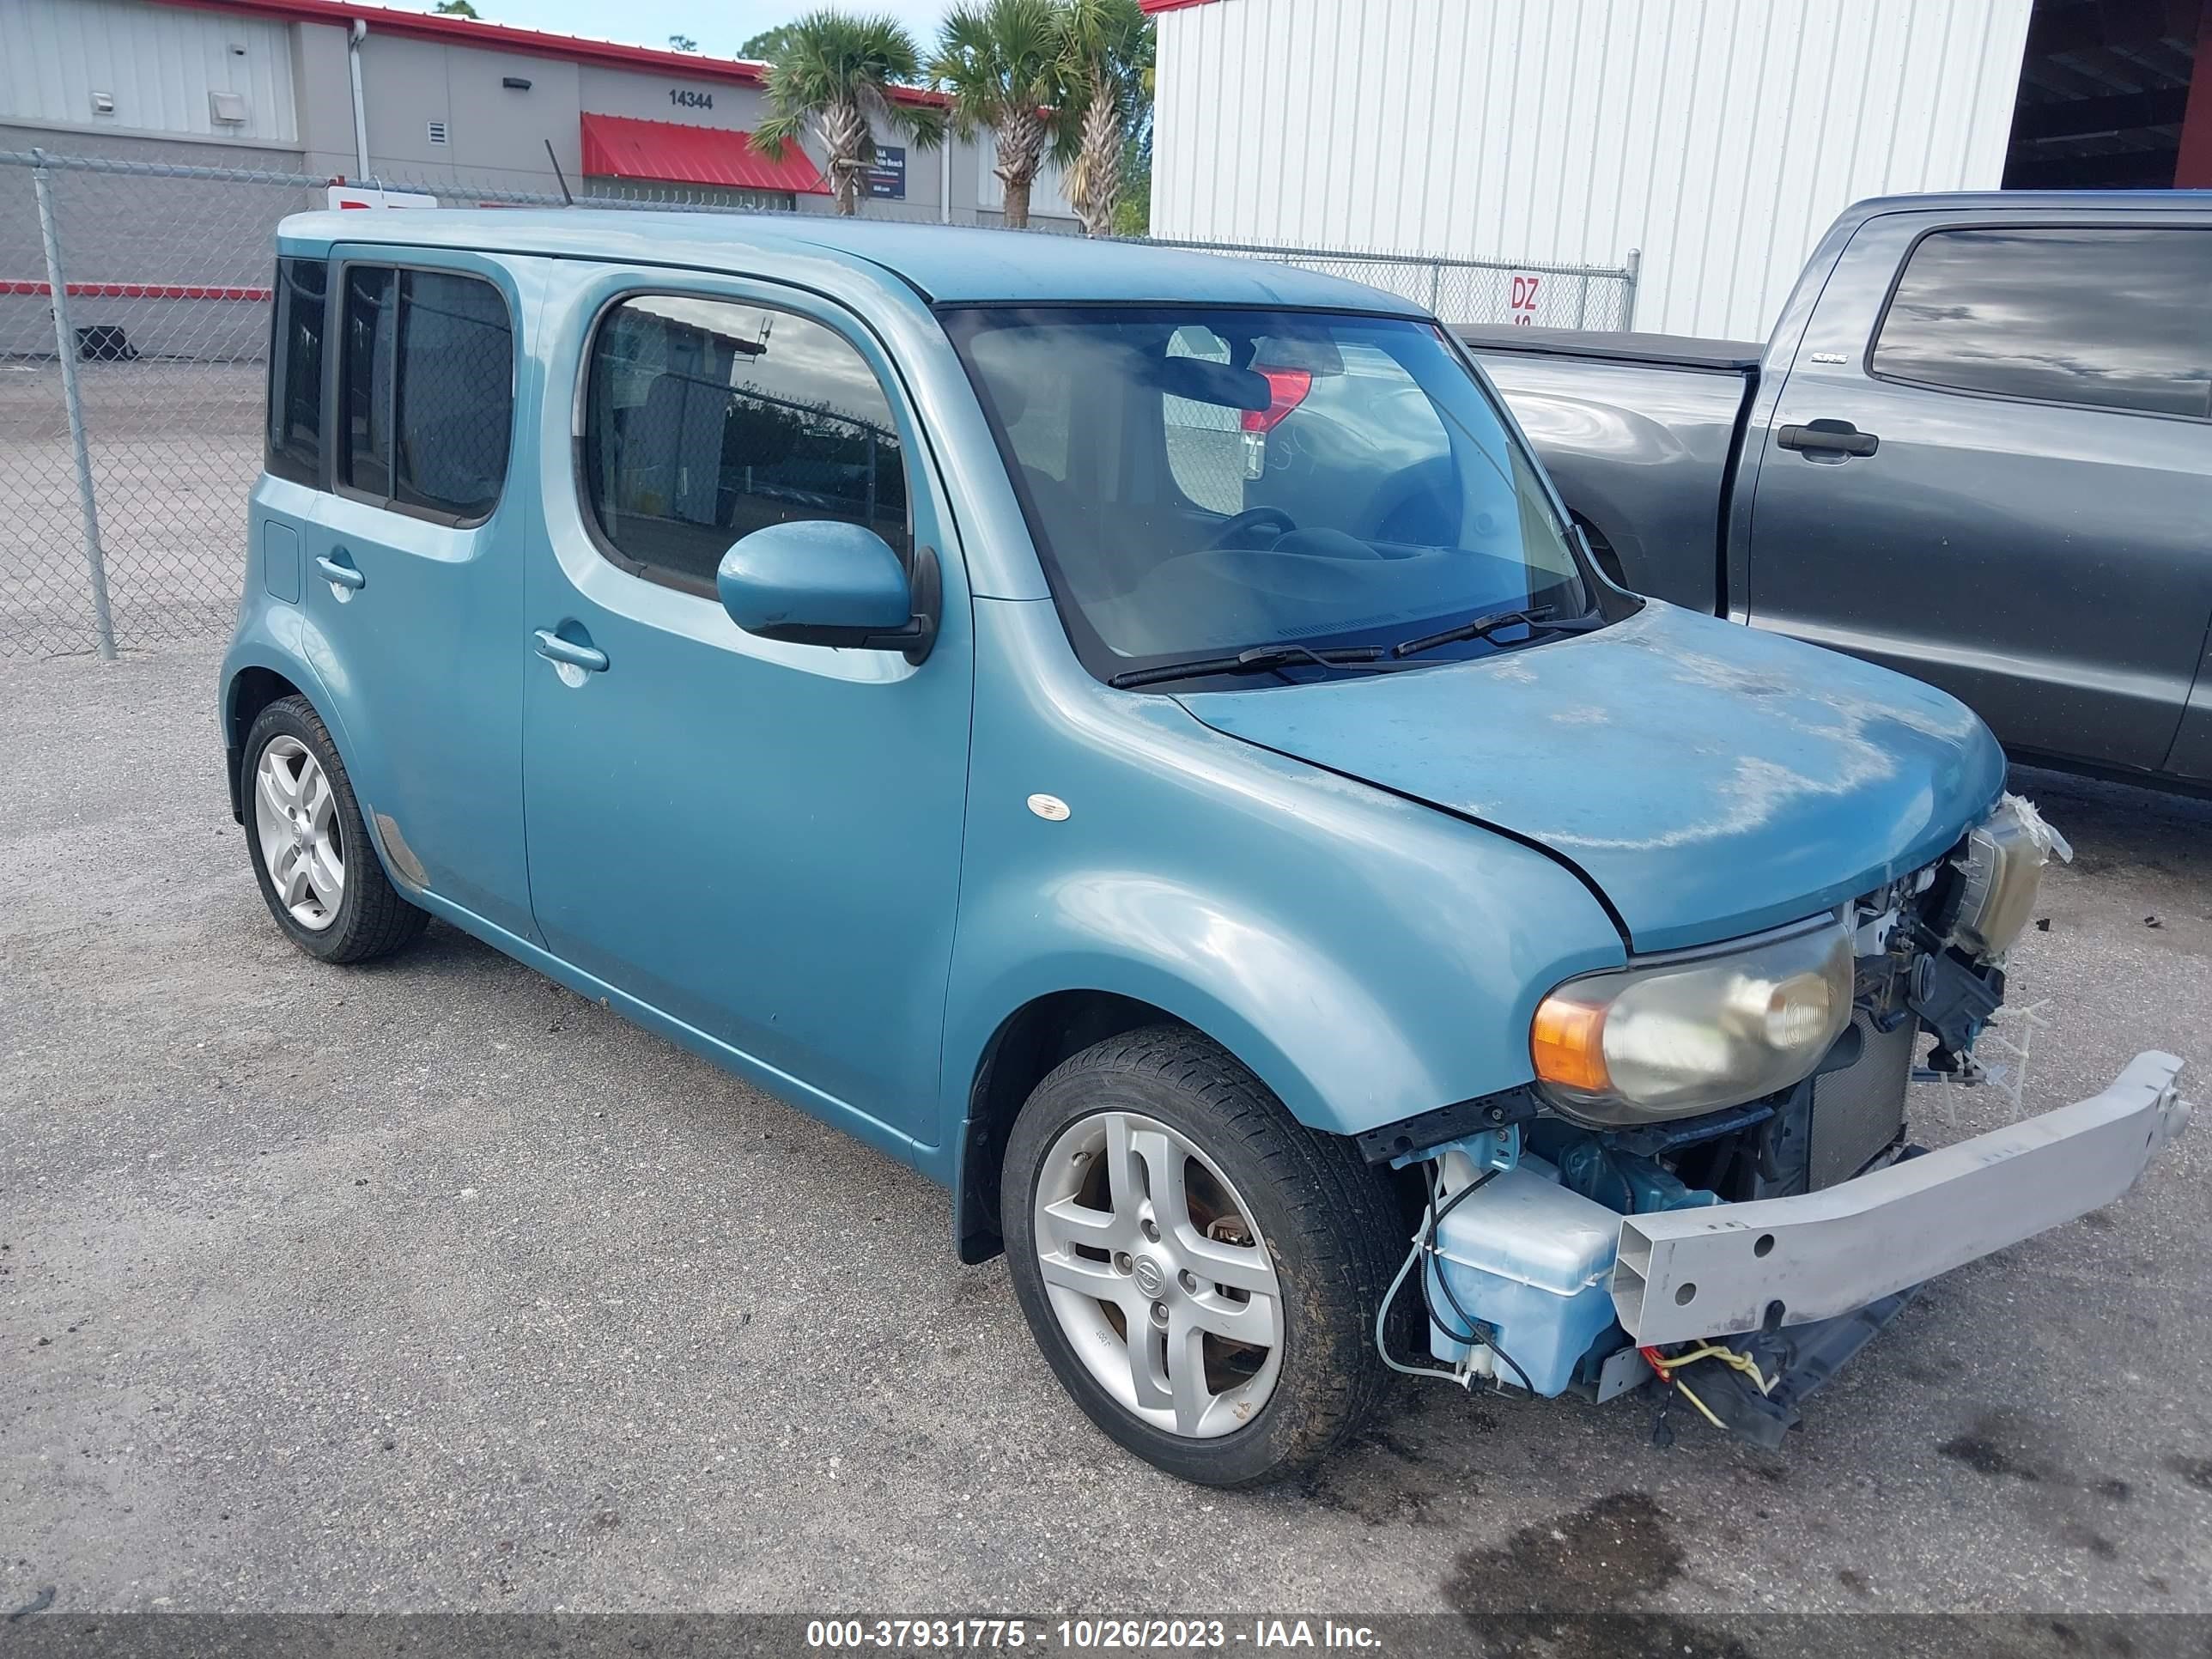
{"x":296,"y":373}
{"x":427,"y":389}
{"x":2112,"y":318}
{"x":705,"y":421}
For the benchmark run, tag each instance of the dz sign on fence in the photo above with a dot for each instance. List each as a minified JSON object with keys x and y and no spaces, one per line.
{"x":1522,"y":304}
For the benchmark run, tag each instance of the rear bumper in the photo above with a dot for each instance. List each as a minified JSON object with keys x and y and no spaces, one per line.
{"x":1682,"y":1275}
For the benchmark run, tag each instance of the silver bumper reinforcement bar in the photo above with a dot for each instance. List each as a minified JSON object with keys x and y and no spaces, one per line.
{"x":1685,"y":1274}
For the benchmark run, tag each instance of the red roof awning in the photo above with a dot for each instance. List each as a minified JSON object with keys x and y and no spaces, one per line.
{"x":624,"y":147}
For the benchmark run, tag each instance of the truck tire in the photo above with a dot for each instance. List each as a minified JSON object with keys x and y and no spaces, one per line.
{"x":1200,"y":1270}
{"x":319,"y":874}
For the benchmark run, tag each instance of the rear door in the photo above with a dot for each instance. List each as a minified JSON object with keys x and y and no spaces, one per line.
{"x":1994,"y":471}
{"x":413,"y":576}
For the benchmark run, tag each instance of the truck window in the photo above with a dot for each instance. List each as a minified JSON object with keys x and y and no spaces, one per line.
{"x":296,"y":373}
{"x":705,"y":421}
{"x":2107,"y":318}
{"x":426,"y":390}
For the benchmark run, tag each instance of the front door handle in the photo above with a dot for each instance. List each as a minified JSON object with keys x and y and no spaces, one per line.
{"x":1823,"y":441}
{"x":554,"y":649}
{"x":341,"y":571}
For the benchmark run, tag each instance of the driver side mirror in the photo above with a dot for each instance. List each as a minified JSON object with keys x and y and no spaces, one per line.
{"x":823,"y":581}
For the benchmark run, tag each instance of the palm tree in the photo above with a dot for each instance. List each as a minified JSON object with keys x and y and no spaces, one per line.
{"x":833,"y":73}
{"x":1106,"y":55}
{"x":1000,"y":61}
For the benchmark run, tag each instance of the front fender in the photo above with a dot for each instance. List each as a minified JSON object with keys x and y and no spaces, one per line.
{"x":1325,"y":1042}
{"x":1369,"y":957}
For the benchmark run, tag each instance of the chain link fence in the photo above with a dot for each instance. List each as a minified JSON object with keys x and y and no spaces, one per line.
{"x":134,"y":340}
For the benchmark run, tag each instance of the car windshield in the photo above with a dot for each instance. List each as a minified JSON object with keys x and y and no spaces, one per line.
{"x":1203,"y":482}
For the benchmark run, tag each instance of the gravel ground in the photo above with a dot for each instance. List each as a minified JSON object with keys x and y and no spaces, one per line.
{"x":432,"y":1286}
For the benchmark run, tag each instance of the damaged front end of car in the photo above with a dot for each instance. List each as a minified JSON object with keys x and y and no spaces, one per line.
{"x":1710,"y":1188}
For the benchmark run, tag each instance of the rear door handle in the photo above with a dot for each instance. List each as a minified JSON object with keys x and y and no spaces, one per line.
{"x":341,"y":571}
{"x":1822,"y":440}
{"x":554,"y":649}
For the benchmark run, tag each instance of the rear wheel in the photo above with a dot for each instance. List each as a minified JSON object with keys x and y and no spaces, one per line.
{"x":1200,"y":1269}
{"x":311,"y":853}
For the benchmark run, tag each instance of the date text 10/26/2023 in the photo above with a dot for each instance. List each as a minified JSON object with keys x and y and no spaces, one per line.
{"x":1088,"y":1635}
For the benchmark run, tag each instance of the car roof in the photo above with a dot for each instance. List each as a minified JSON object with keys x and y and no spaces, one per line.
{"x":2145,"y":202}
{"x":943,"y":263}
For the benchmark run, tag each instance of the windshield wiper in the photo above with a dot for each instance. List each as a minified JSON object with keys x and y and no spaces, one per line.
{"x":1537,"y":620}
{"x":1259,"y":660}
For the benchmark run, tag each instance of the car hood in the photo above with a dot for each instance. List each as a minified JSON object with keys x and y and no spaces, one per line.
{"x":1708,"y":779}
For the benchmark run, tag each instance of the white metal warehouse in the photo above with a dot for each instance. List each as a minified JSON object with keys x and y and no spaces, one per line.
{"x":1715,"y":138}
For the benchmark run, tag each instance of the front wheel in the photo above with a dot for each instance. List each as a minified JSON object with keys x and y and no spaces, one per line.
{"x":1200,"y":1270}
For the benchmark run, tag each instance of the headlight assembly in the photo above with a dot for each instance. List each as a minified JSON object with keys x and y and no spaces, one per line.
{"x":1676,"y":1038}
{"x":2000,"y":872}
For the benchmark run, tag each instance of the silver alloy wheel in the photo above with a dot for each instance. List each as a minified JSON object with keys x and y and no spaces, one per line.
{"x":295,"y":815}
{"x":1158,"y":1274}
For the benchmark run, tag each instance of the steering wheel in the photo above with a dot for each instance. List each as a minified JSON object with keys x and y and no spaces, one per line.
{"x":1247,"y":518}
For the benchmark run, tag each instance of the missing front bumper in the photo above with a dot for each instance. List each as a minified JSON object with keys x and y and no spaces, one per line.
{"x":1683,"y":1275}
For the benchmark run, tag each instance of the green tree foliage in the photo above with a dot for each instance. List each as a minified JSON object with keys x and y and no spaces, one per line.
{"x":1133,"y":209}
{"x":1002,"y":63}
{"x":765,"y":46}
{"x":832,"y":76}
{"x":1106,"y":61}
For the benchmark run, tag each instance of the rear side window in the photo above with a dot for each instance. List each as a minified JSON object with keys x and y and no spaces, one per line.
{"x":296,"y":373}
{"x":2110,"y":319}
{"x":426,"y":390}
{"x":705,"y":421}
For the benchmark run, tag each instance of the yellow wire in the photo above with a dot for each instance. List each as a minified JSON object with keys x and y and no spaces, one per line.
{"x":1729,"y":1356}
{"x":1683,"y":1389}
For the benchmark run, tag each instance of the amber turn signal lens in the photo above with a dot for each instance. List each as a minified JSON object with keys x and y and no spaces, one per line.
{"x":1567,"y":1042}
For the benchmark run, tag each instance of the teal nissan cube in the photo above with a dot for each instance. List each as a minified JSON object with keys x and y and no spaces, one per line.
{"x":1136,"y":736}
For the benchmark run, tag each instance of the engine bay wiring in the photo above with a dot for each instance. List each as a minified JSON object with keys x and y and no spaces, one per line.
{"x":1473,"y":1337}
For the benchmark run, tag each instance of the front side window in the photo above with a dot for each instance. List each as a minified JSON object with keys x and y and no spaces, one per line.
{"x":425,"y":390}
{"x":295,"y":372}
{"x":705,"y":421}
{"x":1239,"y":479}
{"x":2110,"y":318}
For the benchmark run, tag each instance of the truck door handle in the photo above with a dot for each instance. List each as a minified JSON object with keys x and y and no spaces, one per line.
{"x":554,"y":649}
{"x":1822,"y":440}
{"x":341,"y":571}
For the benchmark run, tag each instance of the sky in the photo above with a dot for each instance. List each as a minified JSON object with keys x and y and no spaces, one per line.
{"x":719,"y":25}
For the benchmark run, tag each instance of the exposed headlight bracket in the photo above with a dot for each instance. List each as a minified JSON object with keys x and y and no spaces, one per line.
{"x":1411,"y":1138}
{"x":1954,"y":998}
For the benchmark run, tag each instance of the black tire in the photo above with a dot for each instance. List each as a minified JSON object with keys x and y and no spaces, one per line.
{"x":1330,"y":1220}
{"x":372,"y":919}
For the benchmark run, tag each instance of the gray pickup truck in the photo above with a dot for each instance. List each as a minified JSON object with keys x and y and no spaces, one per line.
{"x":1978,"y":449}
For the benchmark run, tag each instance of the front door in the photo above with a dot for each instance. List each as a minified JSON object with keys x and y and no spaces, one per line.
{"x":2003,"y":483}
{"x":761,"y":840}
{"x":413,"y":562}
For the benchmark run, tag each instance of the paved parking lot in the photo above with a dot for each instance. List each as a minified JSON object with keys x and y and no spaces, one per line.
{"x":433,"y":1286}
{"x":175,"y":447}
